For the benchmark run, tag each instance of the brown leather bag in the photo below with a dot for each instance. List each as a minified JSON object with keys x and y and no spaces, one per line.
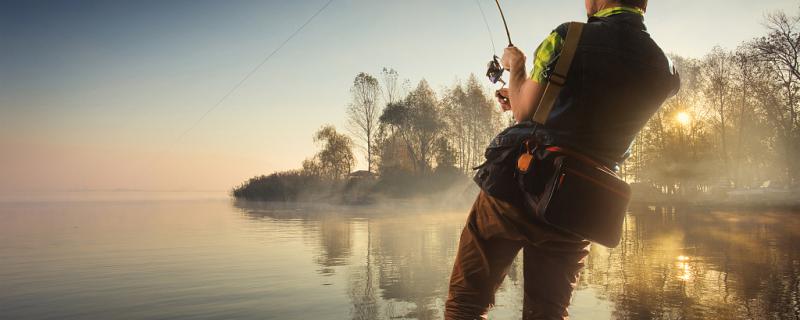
{"x":567,"y":189}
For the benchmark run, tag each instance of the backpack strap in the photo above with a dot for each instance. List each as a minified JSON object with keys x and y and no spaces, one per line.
{"x":558,"y":78}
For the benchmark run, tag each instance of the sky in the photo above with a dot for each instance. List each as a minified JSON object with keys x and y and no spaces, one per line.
{"x":107,"y":95}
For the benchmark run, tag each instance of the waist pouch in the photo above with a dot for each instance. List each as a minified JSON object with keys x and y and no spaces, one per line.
{"x":573,"y":193}
{"x":497,"y":174}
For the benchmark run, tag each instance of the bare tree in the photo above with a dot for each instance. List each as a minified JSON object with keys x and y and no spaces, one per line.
{"x":363,"y":113}
{"x":391,"y":90}
{"x":779,"y":50}
{"x":752,"y":133}
{"x":718,"y":68}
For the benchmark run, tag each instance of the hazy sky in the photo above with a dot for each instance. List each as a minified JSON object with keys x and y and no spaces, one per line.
{"x":95,"y":94}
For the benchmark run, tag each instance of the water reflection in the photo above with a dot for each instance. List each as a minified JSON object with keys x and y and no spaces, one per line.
{"x":672,"y":263}
{"x":701,"y":265}
{"x":397,"y":264}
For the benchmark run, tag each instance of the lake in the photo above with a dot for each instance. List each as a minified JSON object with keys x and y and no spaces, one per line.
{"x":204,"y":256}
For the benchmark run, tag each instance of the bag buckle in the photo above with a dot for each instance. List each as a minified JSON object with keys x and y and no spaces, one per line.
{"x":525,"y":159}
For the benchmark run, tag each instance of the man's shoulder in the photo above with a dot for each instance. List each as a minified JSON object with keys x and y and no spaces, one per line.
{"x":561,"y":30}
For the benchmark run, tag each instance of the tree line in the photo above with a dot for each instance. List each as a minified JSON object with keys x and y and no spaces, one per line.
{"x":411,"y":139}
{"x":416,"y":131}
{"x":733,"y":125}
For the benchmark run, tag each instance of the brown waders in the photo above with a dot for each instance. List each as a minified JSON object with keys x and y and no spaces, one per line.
{"x":494,"y":234}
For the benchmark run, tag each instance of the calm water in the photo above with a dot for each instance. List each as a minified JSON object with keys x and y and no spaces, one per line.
{"x":208,"y":257}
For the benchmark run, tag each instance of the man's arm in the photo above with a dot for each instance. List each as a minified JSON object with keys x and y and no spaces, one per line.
{"x":524,"y":94}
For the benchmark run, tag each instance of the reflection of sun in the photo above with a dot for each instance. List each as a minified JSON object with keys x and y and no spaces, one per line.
{"x":683,"y":118}
{"x":685,"y":273}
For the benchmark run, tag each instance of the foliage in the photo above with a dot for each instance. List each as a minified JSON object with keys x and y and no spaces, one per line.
{"x":414,"y":124}
{"x":472,"y":120}
{"x":336,"y":160}
{"x":279,"y":186}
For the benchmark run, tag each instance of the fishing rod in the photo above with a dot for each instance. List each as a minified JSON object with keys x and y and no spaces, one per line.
{"x":494,"y":70}
{"x":508,"y":34}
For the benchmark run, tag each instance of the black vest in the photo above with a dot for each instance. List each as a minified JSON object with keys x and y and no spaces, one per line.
{"x":618,"y":80}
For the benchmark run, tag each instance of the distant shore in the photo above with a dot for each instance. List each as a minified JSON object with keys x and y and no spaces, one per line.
{"x":458,"y":191}
{"x":724,"y":204}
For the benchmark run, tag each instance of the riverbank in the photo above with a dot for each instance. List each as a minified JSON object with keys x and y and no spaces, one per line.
{"x":358,"y":189}
{"x":453,"y":189}
{"x":723,"y":204}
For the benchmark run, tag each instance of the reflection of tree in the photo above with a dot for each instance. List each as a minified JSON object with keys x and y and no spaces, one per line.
{"x":699,"y":265}
{"x":335,"y":242}
{"x":414,"y":262}
{"x":397,"y":265}
{"x":362,"y":286}
{"x":328,"y":227}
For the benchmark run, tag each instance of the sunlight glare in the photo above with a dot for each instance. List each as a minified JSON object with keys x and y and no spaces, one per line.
{"x":683,"y":118}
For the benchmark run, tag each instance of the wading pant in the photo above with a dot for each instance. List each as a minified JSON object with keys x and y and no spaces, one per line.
{"x":494,"y":234}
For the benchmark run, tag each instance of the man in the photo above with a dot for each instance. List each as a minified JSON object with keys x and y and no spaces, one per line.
{"x":618,"y":79}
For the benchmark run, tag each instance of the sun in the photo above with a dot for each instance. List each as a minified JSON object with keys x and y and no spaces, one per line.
{"x":683,"y":118}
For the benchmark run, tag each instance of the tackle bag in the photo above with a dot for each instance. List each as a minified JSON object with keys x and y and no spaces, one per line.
{"x":574,"y":194}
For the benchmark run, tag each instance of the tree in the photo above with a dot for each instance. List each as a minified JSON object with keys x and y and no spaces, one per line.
{"x":718,"y":67}
{"x":335,"y":160}
{"x":395,"y":151}
{"x":416,"y":121}
{"x":425,"y":124}
{"x":362,"y":114}
{"x":779,"y":50}
{"x":472,"y":120}
{"x":752,"y":157}
{"x":389,"y":78}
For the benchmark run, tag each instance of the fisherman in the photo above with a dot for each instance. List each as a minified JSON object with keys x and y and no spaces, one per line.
{"x":618,"y":79}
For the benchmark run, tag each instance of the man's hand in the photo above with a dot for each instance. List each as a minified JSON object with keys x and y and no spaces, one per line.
{"x":502,"y":98}
{"x":513,"y":59}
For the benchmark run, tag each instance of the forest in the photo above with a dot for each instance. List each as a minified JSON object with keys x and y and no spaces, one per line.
{"x":732,"y":133}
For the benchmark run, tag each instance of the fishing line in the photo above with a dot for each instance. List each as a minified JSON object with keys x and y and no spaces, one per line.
{"x":253,"y":71}
{"x":486,"y":22}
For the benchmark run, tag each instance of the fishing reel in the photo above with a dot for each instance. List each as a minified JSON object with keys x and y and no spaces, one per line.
{"x":494,"y":71}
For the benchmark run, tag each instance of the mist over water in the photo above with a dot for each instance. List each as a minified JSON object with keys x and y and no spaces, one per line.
{"x":212,"y":258}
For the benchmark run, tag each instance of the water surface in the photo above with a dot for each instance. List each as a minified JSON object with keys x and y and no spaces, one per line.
{"x":208,"y":257}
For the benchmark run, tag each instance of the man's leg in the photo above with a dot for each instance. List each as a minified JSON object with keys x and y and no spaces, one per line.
{"x":487,"y":248}
{"x":551,"y":272}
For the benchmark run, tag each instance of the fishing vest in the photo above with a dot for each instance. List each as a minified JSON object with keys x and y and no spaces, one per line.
{"x":618,"y":80}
